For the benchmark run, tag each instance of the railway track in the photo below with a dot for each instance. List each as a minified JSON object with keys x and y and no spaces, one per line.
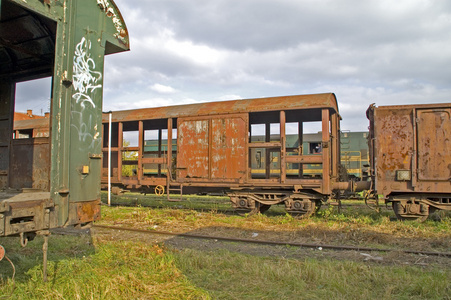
{"x":279,"y":243}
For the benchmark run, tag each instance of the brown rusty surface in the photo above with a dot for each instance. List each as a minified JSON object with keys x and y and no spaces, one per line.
{"x":24,"y":212}
{"x":212,"y":148}
{"x":234,"y":106}
{"x":85,"y":211}
{"x":395,"y":141}
{"x":193,"y":142}
{"x":228,"y":148}
{"x":434,"y":145}
{"x":415,"y":138}
{"x":30,"y":164}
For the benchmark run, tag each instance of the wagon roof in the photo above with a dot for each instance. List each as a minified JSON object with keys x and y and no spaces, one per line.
{"x":416,"y":106}
{"x":327,"y":100}
{"x":32,"y":123}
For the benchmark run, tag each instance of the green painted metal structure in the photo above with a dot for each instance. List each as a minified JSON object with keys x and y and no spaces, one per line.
{"x":67,"y":40}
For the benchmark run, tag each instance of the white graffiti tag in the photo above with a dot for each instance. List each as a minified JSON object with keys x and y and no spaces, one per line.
{"x":84,"y":78}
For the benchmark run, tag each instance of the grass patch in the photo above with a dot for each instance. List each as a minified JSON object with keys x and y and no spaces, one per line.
{"x":355,"y":224}
{"x":104,"y":267}
{"x":102,"y":270}
{"x":337,"y":228}
{"x":240,"y":276}
{"x":82,"y":267}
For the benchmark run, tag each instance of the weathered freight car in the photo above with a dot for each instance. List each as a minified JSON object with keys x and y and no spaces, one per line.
{"x":410,"y":150}
{"x":226,"y":145}
{"x":54,"y":181}
{"x":354,"y":148}
{"x":146,"y":150}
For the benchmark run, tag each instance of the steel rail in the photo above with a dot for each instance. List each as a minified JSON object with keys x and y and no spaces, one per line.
{"x":304,"y":245}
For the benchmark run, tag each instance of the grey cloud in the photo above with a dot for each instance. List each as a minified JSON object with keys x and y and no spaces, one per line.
{"x":365,"y":51}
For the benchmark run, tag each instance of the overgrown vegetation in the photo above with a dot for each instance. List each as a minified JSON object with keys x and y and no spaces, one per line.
{"x":81,"y":268}
{"x":103,"y":265}
{"x":354,"y":224}
{"x":251,"y":277}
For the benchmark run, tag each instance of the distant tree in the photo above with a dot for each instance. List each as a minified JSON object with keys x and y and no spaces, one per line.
{"x":129,"y":170}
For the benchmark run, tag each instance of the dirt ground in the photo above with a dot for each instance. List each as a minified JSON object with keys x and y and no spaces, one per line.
{"x":290,"y":252}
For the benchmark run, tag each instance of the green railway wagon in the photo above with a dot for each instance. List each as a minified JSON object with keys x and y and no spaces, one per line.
{"x":54,"y":181}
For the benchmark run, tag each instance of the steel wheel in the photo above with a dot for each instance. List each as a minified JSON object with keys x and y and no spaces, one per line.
{"x":410,"y":211}
{"x":302,"y":208}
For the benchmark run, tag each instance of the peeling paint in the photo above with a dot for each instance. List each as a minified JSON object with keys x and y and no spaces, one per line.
{"x":111,"y":13}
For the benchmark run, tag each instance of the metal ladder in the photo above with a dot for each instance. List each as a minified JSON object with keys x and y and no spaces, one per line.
{"x":171,"y":186}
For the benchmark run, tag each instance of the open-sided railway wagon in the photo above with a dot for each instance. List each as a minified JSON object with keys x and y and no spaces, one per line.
{"x":54,"y":181}
{"x":240,"y":146}
{"x":410,"y":152}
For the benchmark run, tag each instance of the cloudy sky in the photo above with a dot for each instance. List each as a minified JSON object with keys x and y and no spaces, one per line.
{"x":369,"y":51}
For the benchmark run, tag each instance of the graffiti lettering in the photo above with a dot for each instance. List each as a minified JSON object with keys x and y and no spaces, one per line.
{"x":85,"y":82}
{"x":83,"y":124}
{"x":84,"y":78}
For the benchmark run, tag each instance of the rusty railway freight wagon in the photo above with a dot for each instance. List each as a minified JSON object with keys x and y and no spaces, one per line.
{"x":213,"y":145}
{"x":354,"y":149}
{"x":410,"y":153}
{"x":54,"y":181}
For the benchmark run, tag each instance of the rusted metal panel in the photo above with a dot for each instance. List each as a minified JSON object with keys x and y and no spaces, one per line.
{"x":410,"y":148}
{"x":84,"y":212}
{"x":212,"y":148}
{"x":228,"y":148}
{"x":6,"y":124}
{"x":30,"y":164}
{"x":394,"y":146}
{"x":193,"y":148}
{"x":434,"y":145}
